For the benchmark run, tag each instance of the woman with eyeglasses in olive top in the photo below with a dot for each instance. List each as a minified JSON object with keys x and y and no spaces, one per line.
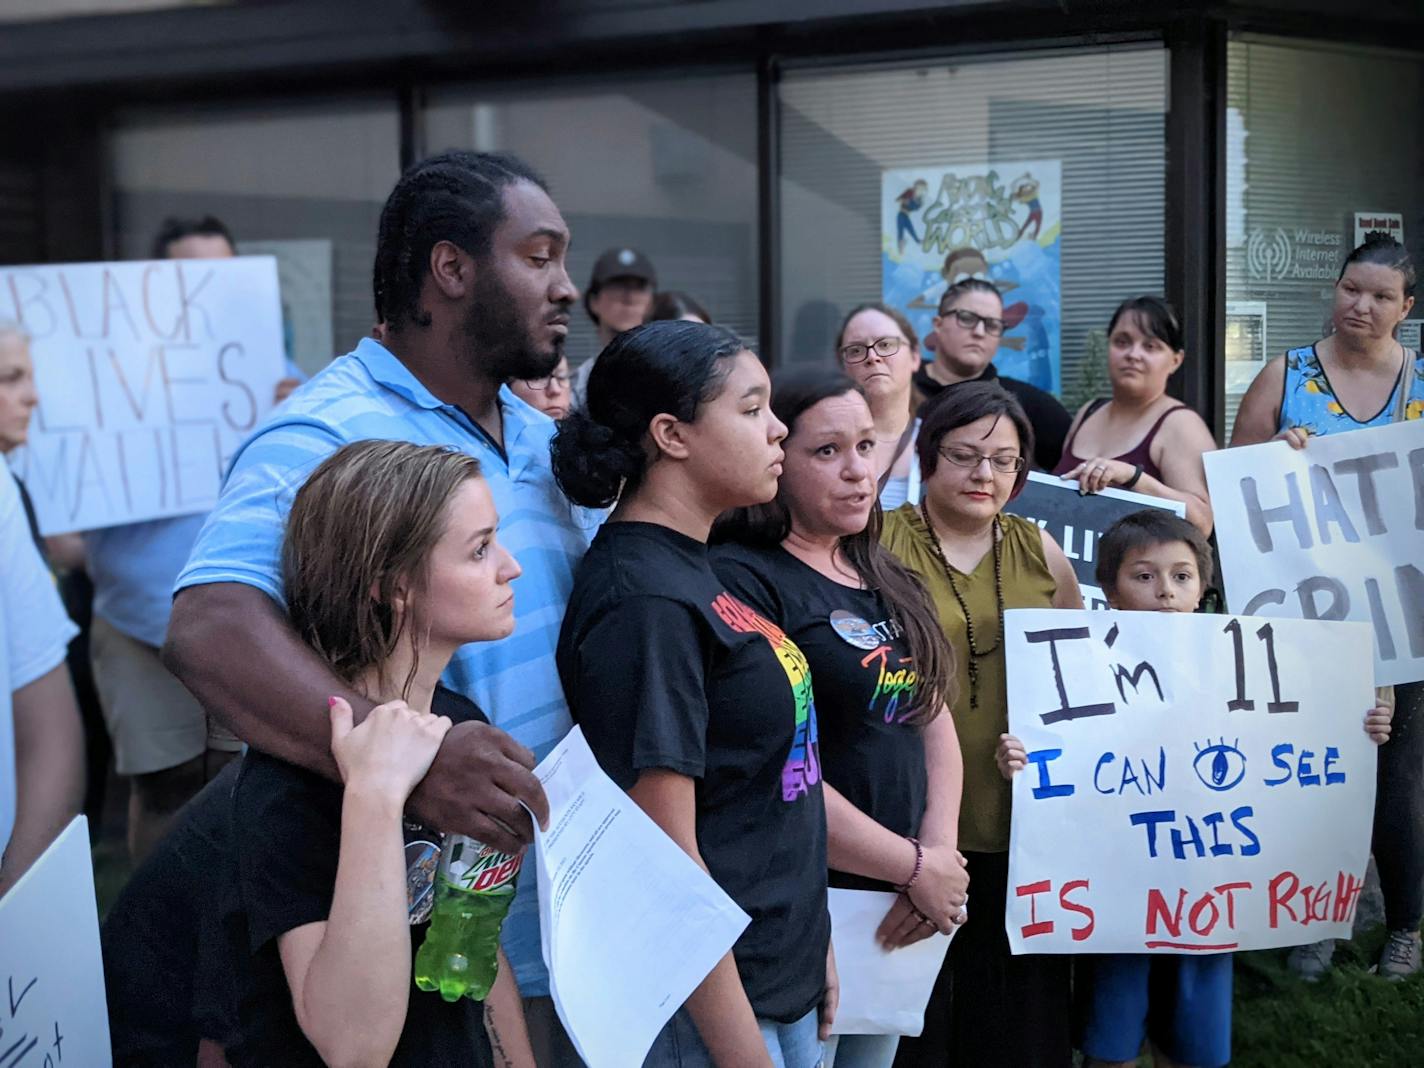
{"x":549,"y":394}
{"x":1140,"y":438}
{"x":988,"y":1006}
{"x":879,"y":349}
{"x":967,"y":334}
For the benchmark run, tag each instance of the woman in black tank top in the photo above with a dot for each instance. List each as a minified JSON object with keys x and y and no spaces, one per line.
{"x":1107,"y":445}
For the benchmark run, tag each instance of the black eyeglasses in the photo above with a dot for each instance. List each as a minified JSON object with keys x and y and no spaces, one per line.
{"x":969,"y":320}
{"x":964,"y":456}
{"x":884,"y":347}
{"x":541,"y":384}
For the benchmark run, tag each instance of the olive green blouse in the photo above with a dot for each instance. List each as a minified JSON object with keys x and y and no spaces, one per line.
{"x":984,"y":809}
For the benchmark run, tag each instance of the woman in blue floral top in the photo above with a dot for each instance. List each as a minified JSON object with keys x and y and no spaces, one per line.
{"x":1363,"y":376}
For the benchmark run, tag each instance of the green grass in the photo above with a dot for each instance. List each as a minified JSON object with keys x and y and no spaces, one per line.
{"x":1350,"y":1017}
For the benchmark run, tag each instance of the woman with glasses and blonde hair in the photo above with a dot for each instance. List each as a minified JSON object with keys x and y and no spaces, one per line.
{"x":879,"y":349}
{"x":550,"y":394}
{"x":988,"y":1006}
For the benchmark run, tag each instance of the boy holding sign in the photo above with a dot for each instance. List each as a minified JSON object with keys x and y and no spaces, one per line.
{"x":1152,"y":561}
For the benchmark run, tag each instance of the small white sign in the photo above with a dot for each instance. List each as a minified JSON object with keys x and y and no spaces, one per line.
{"x":150,"y":375}
{"x":52,"y":1006}
{"x":1385,"y":222}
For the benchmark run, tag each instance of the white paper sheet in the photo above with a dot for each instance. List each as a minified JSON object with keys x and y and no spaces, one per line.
{"x":629,"y":924}
{"x":883,"y":992}
{"x":52,"y":1006}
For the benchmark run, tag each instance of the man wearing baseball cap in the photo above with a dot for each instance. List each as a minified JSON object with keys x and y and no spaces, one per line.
{"x":618,"y":298}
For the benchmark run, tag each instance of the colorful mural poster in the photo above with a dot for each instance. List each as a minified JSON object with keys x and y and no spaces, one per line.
{"x":1000,"y":221}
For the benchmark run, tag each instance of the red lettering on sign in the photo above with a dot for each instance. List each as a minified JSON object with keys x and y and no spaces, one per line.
{"x":1035,"y":926}
{"x":1079,"y":933}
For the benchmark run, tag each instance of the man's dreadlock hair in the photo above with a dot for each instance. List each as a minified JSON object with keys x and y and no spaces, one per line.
{"x":456,"y":197}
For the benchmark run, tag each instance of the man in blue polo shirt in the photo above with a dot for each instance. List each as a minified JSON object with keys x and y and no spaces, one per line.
{"x":470,"y":291}
{"x":163,"y":743}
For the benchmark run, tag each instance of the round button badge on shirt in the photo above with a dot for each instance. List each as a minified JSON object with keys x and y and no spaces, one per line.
{"x":853,"y":630}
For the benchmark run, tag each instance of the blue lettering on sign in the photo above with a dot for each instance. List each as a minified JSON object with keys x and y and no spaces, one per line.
{"x":1188,"y":839}
{"x":1301,"y":769}
{"x":1046,"y":786}
{"x":1144,"y":784}
{"x":1331,"y":756}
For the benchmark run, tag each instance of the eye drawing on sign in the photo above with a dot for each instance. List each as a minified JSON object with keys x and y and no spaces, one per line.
{"x":1219,"y":766}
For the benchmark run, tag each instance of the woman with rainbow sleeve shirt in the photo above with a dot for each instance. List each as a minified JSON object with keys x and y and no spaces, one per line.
{"x":692,"y":700}
{"x":812,"y":562}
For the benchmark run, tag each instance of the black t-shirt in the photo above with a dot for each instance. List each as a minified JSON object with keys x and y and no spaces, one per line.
{"x":175,"y":943}
{"x":287,"y":830}
{"x":663,"y":668}
{"x":865,"y":684}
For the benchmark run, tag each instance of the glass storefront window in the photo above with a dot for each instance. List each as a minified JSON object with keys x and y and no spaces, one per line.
{"x":304,"y":182}
{"x":1322,"y":141}
{"x":667,"y":166}
{"x":1044,"y":170}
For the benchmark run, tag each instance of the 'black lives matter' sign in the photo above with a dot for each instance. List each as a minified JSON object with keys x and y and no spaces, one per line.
{"x":150,"y":374}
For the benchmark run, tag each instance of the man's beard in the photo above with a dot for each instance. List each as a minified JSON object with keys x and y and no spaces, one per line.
{"x":497,"y":342}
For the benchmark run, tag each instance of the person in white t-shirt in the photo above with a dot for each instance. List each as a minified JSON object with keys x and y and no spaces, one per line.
{"x":41,"y":740}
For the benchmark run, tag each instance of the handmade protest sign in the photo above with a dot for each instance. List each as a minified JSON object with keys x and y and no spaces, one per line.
{"x":1195,"y":783}
{"x":1332,"y":531}
{"x":1078,"y":522}
{"x":52,"y":1006}
{"x":150,"y":374}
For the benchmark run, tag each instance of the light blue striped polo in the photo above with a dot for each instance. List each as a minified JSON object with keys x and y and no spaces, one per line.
{"x":369,"y":393}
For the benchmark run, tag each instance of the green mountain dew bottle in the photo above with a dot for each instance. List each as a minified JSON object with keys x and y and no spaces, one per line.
{"x":473,"y":891}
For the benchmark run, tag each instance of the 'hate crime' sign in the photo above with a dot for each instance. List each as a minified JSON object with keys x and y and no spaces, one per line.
{"x":1195,"y":783}
{"x":1331,"y":531}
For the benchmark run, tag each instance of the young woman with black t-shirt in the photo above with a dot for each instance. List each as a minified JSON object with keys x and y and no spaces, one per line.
{"x":693,"y":702}
{"x":811,"y":561}
{"x":390,"y":563}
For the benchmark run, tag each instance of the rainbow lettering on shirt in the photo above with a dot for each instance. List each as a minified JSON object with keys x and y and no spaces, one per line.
{"x":803,"y":764}
{"x":895,"y":686}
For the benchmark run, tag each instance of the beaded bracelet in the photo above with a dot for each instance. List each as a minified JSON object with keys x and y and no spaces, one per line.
{"x":919,"y":864}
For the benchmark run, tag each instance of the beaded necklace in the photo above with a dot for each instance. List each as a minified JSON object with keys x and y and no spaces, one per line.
{"x":975,"y":653}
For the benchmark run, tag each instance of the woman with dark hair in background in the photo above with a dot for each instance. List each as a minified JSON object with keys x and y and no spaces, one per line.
{"x":1140,"y":438}
{"x":988,"y":1006}
{"x":691,"y":700}
{"x":549,"y":394}
{"x":675,"y":304}
{"x":878,"y":348}
{"x":812,"y":563}
{"x":1362,"y":376}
